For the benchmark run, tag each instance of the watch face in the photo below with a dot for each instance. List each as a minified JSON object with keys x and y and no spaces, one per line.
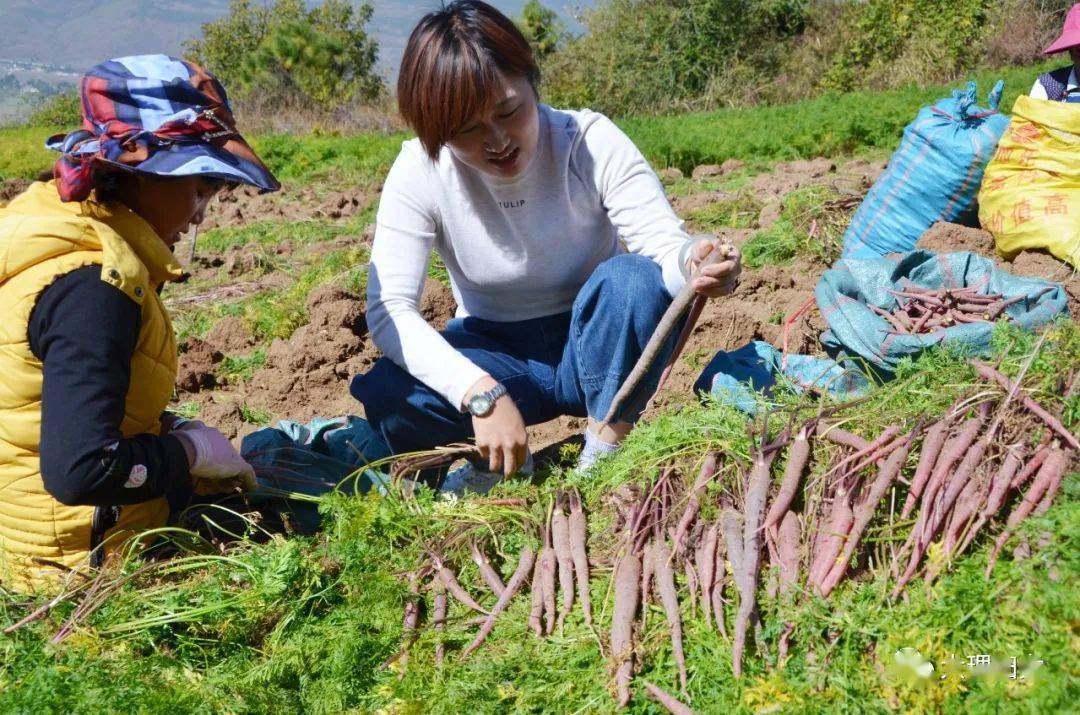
{"x":480,"y":405}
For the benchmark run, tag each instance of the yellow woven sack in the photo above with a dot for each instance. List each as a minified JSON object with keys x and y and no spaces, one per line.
{"x":1030,"y":195}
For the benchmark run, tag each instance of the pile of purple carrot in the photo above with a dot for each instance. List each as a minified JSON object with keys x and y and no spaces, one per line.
{"x":705,"y":546}
{"x":923,"y":310}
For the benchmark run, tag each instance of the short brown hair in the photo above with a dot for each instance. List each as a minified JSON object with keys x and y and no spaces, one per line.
{"x":450,"y":67}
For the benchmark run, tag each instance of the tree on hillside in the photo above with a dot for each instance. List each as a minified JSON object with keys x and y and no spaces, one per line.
{"x":285,"y":50}
{"x":542,"y":28}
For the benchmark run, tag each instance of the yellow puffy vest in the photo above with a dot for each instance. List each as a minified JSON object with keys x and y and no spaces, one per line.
{"x":41,"y":239}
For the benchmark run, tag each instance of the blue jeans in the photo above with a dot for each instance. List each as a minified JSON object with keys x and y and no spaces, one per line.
{"x":566,"y":364}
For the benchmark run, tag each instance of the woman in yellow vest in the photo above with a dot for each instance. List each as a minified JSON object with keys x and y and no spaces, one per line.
{"x":87,"y":352}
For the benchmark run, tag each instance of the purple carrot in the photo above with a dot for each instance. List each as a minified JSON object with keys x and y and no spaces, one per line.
{"x":547,"y":586}
{"x":706,"y":568}
{"x":731,"y":523}
{"x":669,"y":599}
{"x":646,"y":577}
{"x":626,"y":586}
{"x":864,"y":512}
{"x":536,"y":610}
{"x":887,"y":435}
{"x":1034,"y":407}
{"x":787,"y":547}
{"x":1031,"y":467}
{"x":449,"y":580}
{"x":798,"y":455}
{"x":953,"y":450}
{"x":579,"y":534}
{"x":931,"y":448}
{"x":717,"y":591}
{"x":693,"y":504}
{"x":487,"y":571}
{"x":564,"y":556}
{"x":965,"y":471}
{"x":670,"y":702}
{"x":841,"y":437}
{"x":525,"y":564}
{"x":691,"y":585}
{"x":1054,"y":484}
{"x":1050,"y":473}
{"x":995,"y":498}
{"x":757,"y":489}
{"x":841,"y":519}
{"x":967,"y":504}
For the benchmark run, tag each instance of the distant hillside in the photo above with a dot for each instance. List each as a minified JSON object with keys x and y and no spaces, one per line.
{"x":78,"y":33}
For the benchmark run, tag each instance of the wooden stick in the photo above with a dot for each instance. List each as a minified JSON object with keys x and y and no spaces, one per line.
{"x":668,"y":321}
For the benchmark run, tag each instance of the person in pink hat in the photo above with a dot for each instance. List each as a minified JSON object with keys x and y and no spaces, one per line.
{"x":1061,"y":84}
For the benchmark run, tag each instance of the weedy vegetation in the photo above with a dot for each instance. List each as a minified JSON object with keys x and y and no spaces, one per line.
{"x":315,"y":624}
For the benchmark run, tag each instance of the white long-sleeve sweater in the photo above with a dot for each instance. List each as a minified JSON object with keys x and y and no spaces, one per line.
{"x":515,"y":249}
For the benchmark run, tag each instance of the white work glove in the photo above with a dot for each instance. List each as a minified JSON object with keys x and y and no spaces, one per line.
{"x":216,"y":466}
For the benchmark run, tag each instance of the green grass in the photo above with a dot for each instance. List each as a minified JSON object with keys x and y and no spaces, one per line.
{"x":340,"y":160}
{"x":739,"y":211}
{"x":188,"y":410}
{"x":278,"y":313}
{"x":437,"y":269}
{"x":308,"y":625}
{"x":832,"y":125}
{"x":22,"y":152}
{"x":273,"y":232}
{"x":255,"y":416}
{"x":242,"y":367}
{"x":803,"y":211}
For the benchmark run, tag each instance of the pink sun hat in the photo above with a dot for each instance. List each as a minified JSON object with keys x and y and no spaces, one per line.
{"x":1070,"y":35}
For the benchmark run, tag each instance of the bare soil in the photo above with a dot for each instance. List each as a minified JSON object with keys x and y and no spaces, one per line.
{"x":10,"y":188}
{"x":309,"y":374}
{"x":245,"y":204}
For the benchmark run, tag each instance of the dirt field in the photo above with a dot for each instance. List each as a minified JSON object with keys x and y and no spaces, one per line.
{"x":309,"y":373}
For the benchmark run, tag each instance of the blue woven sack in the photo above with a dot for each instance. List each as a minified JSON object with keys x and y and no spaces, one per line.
{"x":734,"y":377}
{"x":934,"y":176}
{"x":313,"y":459}
{"x":848,"y":289}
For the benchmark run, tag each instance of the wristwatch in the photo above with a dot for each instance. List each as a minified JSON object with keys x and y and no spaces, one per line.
{"x":482,"y":403}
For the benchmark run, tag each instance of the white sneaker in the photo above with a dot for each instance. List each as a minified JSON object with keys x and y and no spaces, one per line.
{"x":470,"y":478}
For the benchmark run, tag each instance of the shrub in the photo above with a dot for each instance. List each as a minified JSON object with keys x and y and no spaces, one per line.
{"x":1022,"y":28}
{"x":643,"y":55}
{"x":542,"y":28}
{"x":62,"y":111}
{"x":285,"y":51}
{"x":891,"y":42}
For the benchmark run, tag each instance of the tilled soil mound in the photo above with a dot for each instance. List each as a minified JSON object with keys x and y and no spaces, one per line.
{"x":196,"y":369}
{"x":231,"y":335}
{"x":305,"y":376}
{"x":245,"y":204}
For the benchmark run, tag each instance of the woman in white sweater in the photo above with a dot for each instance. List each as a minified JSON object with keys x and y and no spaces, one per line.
{"x":562,"y":250}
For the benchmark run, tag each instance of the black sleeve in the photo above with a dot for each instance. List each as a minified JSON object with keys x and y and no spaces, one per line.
{"x":84,"y":332}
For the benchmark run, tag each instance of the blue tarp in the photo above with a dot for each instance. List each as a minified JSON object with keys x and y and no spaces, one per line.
{"x":846,"y":291}
{"x":935,"y":175}
{"x":733,"y":377}
{"x":313,"y":459}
